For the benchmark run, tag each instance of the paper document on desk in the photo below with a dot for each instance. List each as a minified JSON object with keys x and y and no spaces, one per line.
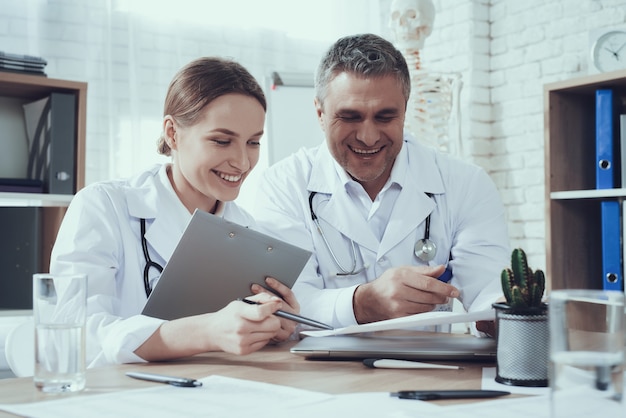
{"x":417,"y":320}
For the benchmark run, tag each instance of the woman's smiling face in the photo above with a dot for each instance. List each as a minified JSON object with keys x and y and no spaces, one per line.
{"x":213,"y":157}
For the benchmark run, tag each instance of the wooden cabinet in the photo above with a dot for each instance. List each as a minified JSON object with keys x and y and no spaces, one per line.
{"x":27,"y":88}
{"x":573,"y":237}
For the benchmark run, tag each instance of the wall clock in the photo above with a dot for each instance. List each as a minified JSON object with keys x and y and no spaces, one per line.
{"x":608,"y":51}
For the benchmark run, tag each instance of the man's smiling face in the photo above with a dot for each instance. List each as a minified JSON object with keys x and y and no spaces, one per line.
{"x":363,"y":119}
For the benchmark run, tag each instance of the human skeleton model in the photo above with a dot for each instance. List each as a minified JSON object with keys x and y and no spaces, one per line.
{"x":433,"y":104}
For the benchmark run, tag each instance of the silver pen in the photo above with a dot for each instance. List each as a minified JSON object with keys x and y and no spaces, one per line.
{"x":170,"y":380}
{"x":293,"y":317}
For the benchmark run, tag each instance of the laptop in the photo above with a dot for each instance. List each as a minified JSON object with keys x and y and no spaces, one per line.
{"x":431,"y":346}
{"x":216,"y":262}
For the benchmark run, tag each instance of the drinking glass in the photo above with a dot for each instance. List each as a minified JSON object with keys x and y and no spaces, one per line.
{"x":586,"y":352}
{"x":59,"y":311}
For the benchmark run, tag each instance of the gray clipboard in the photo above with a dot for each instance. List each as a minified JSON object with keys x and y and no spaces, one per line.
{"x":215,"y":262}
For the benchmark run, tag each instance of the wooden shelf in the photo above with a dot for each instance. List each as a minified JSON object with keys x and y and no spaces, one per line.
{"x":573,"y":237}
{"x":589,"y":194}
{"x":35,"y":87}
{"x":34,"y":199}
{"x":26,"y":88}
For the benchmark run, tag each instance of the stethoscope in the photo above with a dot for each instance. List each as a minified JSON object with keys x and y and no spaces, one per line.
{"x":425,"y":248}
{"x":149,"y":262}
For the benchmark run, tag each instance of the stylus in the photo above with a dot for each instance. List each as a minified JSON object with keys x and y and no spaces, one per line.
{"x":431,"y":395}
{"x":293,"y":317}
{"x":170,"y":380}
{"x":381,"y":363}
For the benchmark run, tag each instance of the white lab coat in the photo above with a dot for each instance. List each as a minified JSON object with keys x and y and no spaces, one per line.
{"x":467,"y":221}
{"x":100,"y":235}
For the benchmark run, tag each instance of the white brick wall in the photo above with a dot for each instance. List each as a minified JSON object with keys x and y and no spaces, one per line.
{"x":518,"y":46}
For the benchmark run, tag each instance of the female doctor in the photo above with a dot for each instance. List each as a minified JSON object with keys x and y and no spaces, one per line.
{"x":214,"y":116}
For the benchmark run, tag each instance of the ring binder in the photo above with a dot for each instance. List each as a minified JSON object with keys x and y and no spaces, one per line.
{"x":611,"y":250}
{"x":606,"y":155}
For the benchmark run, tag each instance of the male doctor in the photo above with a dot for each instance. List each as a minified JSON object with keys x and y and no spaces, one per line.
{"x":396,"y":228}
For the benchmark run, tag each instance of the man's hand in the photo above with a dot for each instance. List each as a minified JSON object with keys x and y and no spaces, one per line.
{"x":401,"y":291}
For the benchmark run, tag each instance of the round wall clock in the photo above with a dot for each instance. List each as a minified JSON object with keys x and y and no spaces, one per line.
{"x":608,"y":52}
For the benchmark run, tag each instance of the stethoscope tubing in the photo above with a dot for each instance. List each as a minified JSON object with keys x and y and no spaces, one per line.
{"x":149,"y":262}
{"x":425,"y":252}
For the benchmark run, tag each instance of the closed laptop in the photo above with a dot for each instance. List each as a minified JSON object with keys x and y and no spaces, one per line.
{"x":403,"y":346}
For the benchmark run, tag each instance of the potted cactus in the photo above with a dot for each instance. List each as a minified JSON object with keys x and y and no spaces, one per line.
{"x":522,"y":325}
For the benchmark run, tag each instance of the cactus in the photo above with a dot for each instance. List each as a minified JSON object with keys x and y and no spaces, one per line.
{"x":522,"y":287}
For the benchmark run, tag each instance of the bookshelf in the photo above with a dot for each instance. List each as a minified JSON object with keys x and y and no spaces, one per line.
{"x":51,"y":207}
{"x":573,"y":237}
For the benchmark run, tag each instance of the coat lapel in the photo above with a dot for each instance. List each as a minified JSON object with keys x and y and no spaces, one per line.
{"x":162,"y":235}
{"x":335,"y":209}
{"x":413,"y":204}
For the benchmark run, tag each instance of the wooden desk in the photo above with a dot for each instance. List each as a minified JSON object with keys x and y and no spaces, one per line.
{"x":274,"y":364}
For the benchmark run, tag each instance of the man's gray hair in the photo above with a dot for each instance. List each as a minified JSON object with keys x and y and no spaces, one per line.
{"x":366,"y":55}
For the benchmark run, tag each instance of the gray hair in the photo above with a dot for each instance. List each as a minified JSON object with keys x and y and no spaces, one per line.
{"x":365,"y":55}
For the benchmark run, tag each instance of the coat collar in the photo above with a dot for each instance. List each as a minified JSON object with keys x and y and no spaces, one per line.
{"x":151,"y":196}
{"x":422,"y":176}
{"x":422,"y":169}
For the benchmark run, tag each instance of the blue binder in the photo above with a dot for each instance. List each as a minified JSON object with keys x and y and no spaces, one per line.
{"x":612,"y":278}
{"x":606,"y":165}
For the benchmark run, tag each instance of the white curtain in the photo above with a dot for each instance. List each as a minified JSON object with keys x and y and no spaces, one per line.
{"x":128,"y":50}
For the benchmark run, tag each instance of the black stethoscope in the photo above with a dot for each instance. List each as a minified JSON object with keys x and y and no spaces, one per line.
{"x":425,"y":248}
{"x":149,"y":262}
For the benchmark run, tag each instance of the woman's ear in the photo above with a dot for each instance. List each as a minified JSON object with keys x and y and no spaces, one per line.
{"x":169,"y":128}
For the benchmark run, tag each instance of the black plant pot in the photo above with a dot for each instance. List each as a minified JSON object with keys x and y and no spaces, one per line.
{"x":522,"y":345}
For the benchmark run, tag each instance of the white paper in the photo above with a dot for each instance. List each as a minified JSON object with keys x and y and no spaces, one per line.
{"x":228,"y":397}
{"x":218,"y":396}
{"x":417,"y":320}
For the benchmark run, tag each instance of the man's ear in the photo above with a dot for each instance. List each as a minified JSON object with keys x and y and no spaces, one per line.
{"x":169,"y":127}
{"x":319,"y":109}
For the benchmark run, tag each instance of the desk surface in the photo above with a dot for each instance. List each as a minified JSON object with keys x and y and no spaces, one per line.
{"x":273,"y":364}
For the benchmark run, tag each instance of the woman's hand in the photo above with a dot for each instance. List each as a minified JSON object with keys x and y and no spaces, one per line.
{"x":241,"y":328}
{"x":290,"y":304}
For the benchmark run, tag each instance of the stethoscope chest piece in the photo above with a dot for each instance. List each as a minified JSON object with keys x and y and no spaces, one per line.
{"x":425,"y":249}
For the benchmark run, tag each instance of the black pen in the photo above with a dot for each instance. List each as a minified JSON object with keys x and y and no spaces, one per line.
{"x":293,"y":317}
{"x":431,"y":395}
{"x":170,"y":380}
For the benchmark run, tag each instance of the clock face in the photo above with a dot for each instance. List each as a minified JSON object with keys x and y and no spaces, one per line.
{"x":609,"y":51}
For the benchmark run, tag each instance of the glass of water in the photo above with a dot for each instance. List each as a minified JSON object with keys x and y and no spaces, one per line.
{"x":586,"y":353}
{"x":59,"y":311}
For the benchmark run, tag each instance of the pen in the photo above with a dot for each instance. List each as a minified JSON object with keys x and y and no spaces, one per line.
{"x":293,"y":317}
{"x":431,"y":395}
{"x":381,"y":363}
{"x":446,"y":276}
{"x":170,"y":380}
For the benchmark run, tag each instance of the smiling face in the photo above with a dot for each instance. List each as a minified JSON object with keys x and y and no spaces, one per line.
{"x":212,"y":157}
{"x":363,"y":121}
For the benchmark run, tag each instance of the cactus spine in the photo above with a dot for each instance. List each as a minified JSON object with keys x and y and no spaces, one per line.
{"x":522,"y":287}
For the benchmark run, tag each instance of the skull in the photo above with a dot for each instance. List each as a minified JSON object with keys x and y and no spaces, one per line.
{"x":411,"y":22}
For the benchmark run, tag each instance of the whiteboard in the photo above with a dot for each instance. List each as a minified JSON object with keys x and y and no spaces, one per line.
{"x":292,"y":121}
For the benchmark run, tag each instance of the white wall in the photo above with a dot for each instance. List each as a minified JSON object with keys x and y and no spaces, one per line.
{"x":128,"y":50}
{"x":507,"y":50}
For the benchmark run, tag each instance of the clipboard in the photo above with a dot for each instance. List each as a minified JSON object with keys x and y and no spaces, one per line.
{"x":215,"y":262}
